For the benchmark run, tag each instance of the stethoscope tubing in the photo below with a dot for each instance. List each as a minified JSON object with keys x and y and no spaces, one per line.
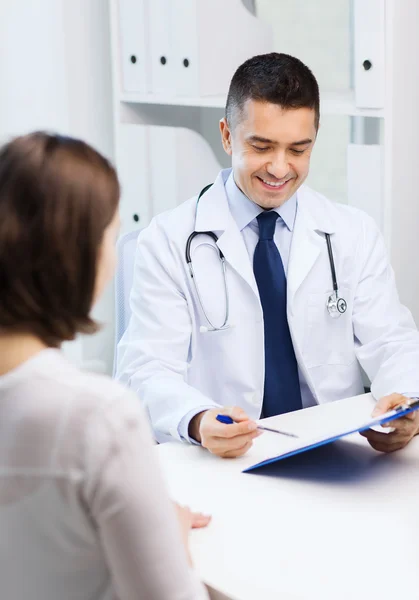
{"x":332,"y":263}
{"x":214,"y":237}
{"x":224,"y":271}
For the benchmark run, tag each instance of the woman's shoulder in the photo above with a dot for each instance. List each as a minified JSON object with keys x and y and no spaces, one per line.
{"x":70,"y":419}
{"x":95,"y":392}
{"x":52,"y":367}
{"x":90,"y":412}
{"x":55,"y":390}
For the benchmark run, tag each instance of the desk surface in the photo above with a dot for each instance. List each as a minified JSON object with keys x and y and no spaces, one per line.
{"x":340,"y":522}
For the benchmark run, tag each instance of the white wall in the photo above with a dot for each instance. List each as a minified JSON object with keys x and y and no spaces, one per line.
{"x":55,"y":73}
{"x":318,"y":32}
{"x":401,"y":182}
{"x":32,"y":78}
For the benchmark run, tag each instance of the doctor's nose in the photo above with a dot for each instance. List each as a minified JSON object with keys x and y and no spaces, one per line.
{"x":279,"y":167}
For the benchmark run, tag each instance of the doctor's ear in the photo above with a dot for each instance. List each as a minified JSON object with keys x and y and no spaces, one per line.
{"x":225,"y":136}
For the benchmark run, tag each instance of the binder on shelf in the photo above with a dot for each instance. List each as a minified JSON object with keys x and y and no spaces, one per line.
{"x":183,"y":47}
{"x":369,"y":53}
{"x":185,"y":32}
{"x":161,"y":55}
{"x":365,"y":180}
{"x":133,"y":171}
{"x":134,"y":44}
{"x":191,"y":166}
{"x":203,"y":54}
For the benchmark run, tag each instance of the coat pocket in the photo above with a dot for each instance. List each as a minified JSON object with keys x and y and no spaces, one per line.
{"x":328,"y":340}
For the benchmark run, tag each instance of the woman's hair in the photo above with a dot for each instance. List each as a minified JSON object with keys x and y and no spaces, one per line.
{"x":57,"y":197}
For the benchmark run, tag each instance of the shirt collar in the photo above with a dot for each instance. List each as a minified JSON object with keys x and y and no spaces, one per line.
{"x":244,"y":211}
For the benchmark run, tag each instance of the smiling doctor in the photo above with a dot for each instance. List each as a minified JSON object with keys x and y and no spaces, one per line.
{"x":262,"y":296}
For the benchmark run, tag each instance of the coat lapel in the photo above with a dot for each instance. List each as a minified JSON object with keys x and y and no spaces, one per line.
{"x":308,"y":239}
{"x":213,"y":214}
{"x":232,"y":245}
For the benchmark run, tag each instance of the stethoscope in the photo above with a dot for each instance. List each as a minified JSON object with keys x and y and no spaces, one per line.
{"x":336,"y":306}
{"x":188,"y":257}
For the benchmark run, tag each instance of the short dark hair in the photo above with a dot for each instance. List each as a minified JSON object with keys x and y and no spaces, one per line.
{"x":57,"y":197}
{"x":276,"y":78}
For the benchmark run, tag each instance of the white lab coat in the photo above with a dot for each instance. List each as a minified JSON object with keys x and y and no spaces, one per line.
{"x":176,"y":368}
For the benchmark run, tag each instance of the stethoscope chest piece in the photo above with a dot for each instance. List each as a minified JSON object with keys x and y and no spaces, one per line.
{"x":336,"y":306}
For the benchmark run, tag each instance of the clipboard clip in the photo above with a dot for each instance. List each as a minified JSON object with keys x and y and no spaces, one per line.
{"x":411,"y":403}
{"x":407,"y":407}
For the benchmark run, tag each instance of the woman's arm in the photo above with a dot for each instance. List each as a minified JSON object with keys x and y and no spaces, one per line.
{"x":137,"y":522}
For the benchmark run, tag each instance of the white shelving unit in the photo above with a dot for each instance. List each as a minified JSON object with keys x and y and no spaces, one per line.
{"x":370,"y":103}
{"x":170,"y":83}
{"x":333,"y":103}
{"x":203,"y":101}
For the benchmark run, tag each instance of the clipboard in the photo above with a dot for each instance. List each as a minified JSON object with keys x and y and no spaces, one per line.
{"x":304,"y":444}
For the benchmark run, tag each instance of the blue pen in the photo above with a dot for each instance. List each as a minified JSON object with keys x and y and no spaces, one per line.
{"x":229,"y":421}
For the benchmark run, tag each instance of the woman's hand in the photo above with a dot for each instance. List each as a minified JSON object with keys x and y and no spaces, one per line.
{"x":190,"y":520}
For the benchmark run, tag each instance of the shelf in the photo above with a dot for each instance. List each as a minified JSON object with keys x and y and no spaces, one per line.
{"x":332,"y":103}
{"x":206,"y":101}
{"x":343,"y":103}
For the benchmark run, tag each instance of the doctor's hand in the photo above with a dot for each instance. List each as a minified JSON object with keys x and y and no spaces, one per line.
{"x":223,"y":440}
{"x":405,"y":428}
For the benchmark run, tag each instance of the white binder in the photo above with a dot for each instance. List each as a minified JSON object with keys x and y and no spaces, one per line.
{"x":369,"y":53}
{"x":365,"y":180}
{"x":134,"y":44}
{"x":184,"y":25}
{"x":192,"y":165}
{"x":133,"y":171}
{"x":161,"y":48}
{"x":204,"y":56}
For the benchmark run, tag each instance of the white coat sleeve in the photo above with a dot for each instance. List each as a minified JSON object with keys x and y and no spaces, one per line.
{"x":385,"y":332}
{"x":152,"y":357}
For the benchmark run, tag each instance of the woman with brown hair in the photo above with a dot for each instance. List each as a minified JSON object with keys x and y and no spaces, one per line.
{"x":83,"y":510}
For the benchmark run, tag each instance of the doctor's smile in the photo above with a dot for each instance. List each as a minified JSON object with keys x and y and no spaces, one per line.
{"x":274,"y":187}
{"x":273,"y":184}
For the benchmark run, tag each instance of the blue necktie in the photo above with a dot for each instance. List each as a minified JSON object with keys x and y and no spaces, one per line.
{"x":282,"y":387}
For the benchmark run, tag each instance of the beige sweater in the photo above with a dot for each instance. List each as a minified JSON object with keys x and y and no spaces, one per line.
{"x":84,"y":514}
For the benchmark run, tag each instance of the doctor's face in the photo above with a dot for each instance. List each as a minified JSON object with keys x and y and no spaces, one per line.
{"x":270,"y":148}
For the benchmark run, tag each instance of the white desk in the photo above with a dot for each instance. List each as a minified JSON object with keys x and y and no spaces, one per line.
{"x":339,"y":524}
